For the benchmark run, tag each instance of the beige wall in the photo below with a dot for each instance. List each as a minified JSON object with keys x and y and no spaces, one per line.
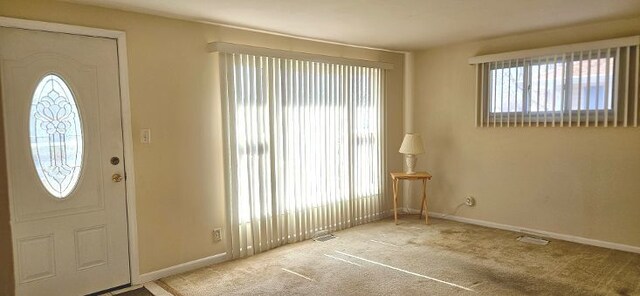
{"x":576,"y":181}
{"x":180,"y":181}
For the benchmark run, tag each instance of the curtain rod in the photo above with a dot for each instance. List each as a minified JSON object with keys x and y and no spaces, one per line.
{"x":529,"y":53}
{"x":278,"y":53}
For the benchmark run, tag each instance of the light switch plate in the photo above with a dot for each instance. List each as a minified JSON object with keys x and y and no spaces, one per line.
{"x":145,"y":136}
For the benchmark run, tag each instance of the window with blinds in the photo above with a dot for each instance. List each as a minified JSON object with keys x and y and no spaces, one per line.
{"x":589,"y":84}
{"x":305,"y":147}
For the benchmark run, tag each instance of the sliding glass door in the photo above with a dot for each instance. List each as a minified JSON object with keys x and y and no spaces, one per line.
{"x":305,"y":148}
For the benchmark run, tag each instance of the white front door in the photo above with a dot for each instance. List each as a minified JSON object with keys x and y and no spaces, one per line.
{"x":63,"y":134}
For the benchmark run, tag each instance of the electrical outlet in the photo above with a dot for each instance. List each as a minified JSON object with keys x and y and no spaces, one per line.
{"x":217,"y":234}
{"x":470,"y":201}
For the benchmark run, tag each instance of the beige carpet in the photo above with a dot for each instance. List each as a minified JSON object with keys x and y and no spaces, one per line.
{"x":444,"y":258}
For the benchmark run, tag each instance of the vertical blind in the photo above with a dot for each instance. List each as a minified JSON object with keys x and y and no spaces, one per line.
{"x":590,"y":87}
{"x":304,"y":146}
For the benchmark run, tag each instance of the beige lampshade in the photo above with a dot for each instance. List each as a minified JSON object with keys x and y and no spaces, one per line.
{"x":412,"y":144}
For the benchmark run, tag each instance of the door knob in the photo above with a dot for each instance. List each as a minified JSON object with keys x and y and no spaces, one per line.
{"x":117,"y":178}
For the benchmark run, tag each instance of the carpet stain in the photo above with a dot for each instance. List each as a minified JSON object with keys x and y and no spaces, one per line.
{"x":414,"y":241}
{"x":451,"y":231}
{"x":623,"y":291}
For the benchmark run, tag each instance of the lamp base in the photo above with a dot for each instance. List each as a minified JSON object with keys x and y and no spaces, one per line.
{"x":411,"y":163}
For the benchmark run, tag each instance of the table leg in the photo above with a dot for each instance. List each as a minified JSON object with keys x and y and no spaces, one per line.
{"x":424,"y":202}
{"x":421,"y":204}
{"x":395,"y":200}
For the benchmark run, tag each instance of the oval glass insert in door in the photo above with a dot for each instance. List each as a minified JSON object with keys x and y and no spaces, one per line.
{"x":55,"y":131}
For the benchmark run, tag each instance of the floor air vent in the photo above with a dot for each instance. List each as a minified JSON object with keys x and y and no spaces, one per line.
{"x":324,"y":238}
{"x":533,"y":240}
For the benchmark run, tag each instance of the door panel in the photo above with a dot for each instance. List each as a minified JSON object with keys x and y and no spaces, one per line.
{"x":69,"y":239}
{"x":21,"y":77}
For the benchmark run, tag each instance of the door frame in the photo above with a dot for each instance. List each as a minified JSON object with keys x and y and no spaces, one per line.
{"x":125,"y":110}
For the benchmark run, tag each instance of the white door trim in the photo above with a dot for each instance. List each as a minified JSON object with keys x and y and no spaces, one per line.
{"x":127,"y":133}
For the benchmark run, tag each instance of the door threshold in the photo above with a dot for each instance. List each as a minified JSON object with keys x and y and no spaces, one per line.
{"x":152,"y":287}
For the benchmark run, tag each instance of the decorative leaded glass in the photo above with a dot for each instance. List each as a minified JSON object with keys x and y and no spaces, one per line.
{"x":56,"y":138}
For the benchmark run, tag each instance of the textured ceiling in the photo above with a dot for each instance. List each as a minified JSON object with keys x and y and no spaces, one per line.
{"x":389,"y":24}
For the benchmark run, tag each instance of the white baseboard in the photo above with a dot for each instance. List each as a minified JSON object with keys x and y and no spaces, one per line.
{"x":536,"y":232}
{"x":184,"y":267}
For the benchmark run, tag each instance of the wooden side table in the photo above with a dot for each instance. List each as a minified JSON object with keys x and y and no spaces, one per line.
{"x":396,"y":177}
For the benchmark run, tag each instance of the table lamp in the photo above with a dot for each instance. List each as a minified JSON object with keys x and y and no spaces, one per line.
{"x":411,"y":146}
